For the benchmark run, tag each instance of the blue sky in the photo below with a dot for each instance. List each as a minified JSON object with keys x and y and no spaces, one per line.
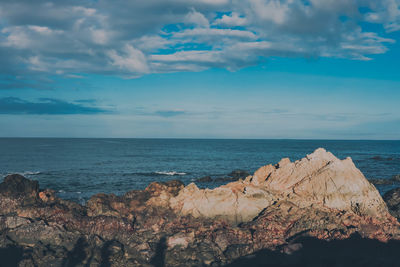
{"x":200,"y":69}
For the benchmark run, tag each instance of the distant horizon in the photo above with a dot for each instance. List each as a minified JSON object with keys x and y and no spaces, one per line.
{"x":199,"y":138}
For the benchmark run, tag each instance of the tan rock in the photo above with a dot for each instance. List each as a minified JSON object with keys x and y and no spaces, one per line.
{"x":321,"y":178}
{"x":235,"y":202}
{"x":318,"y":179}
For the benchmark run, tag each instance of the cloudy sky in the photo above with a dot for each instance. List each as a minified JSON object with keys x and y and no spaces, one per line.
{"x":200,"y":68}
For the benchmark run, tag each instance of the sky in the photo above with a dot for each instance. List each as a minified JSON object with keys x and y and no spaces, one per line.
{"x":298,"y":69}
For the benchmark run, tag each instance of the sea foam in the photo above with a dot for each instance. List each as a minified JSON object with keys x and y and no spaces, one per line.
{"x":170,"y":173}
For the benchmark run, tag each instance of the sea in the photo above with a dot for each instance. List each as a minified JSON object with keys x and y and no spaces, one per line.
{"x":79,"y":168}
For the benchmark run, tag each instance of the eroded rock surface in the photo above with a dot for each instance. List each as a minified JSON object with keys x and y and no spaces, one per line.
{"x":168,"y":224}
{"x":318,"y":179}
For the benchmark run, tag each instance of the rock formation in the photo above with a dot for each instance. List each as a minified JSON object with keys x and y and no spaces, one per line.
{"x":169,"y":224}
{"x":318,"y":179}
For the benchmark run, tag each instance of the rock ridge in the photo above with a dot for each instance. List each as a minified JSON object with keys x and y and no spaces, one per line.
{"x":318,"y":179}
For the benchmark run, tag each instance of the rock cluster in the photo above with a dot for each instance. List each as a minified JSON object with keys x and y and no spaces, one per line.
{"x":394,"y":180}
{"x":232,"y":176}
{"x":392,"y":199}
{"x":169,"y":224}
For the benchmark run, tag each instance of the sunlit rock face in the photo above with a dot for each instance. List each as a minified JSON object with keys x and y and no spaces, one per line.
{"x":235,"y":202}
{"x":319,"y":179}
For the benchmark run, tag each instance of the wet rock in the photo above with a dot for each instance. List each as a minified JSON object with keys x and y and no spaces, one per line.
{"x":379,"y":158}
{"x":205,"y":179}
{"x":381,"y":181}
{"x":396,"y":178}
{"x":239,"y":174}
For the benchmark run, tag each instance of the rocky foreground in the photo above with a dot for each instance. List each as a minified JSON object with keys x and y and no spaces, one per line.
{"x":318,"y":211}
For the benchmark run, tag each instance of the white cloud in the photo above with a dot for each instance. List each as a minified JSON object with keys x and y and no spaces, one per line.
{"x":133,"y":60}
{"x":271,"y":10}
{"x":39,"y":29}
{"x":212,"y":32}
{"x":130,"y":38}
{"x":196,"y":18}
{"x":99,"y":36}
{"x":231,"y":20}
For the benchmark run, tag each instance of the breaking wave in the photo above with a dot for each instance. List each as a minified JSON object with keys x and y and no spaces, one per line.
{"x":25,"y":173}
{"x":170,"y":173}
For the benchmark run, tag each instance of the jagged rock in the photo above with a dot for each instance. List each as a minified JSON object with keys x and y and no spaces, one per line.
{"x":167,"y":224}
{"x":321,"y":178}
{"x":318,"y":179}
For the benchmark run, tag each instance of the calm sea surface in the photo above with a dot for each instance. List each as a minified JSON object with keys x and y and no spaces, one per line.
{"x":79,"y":168}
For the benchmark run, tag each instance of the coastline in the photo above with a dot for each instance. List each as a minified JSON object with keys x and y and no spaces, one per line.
{"x":280,"y":213}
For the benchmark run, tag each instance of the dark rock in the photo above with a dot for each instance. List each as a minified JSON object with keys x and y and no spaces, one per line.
{"x":17,"y":185}
{"x":225,"y":179}
{"x":381,"y":181}
{"x":393,"y":180}
{"x":205,"y":179}
{"x":396,"y":178}
{"x":233,"y":176}
{"x":238,"y":174}
{"x":392,"y":199}
{"x":379,"y":158}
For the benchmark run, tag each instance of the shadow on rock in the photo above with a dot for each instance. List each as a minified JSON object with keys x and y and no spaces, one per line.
{"x":10,"y":256}
{"x":77,"y":255}
{"x":159,"y":258}
{"x":354,"y":251}
{"x":112,"y":254}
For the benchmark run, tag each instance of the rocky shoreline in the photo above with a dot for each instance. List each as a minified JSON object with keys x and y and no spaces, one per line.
{"x":276,"y":217}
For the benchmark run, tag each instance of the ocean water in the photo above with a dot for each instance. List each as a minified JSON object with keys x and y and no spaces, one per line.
{"x":79,"y":168}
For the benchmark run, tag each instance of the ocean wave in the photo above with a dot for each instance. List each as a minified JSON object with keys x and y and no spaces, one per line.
{"x":30,"y":173}
{"x":170,"y":173}
{"x":25,"y":173}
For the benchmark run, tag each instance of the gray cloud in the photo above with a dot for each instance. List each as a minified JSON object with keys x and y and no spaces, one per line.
{"x":45,"y":106}
{"x":134,"y":38}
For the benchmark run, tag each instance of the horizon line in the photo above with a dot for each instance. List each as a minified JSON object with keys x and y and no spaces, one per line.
{"x":198,"y":138}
